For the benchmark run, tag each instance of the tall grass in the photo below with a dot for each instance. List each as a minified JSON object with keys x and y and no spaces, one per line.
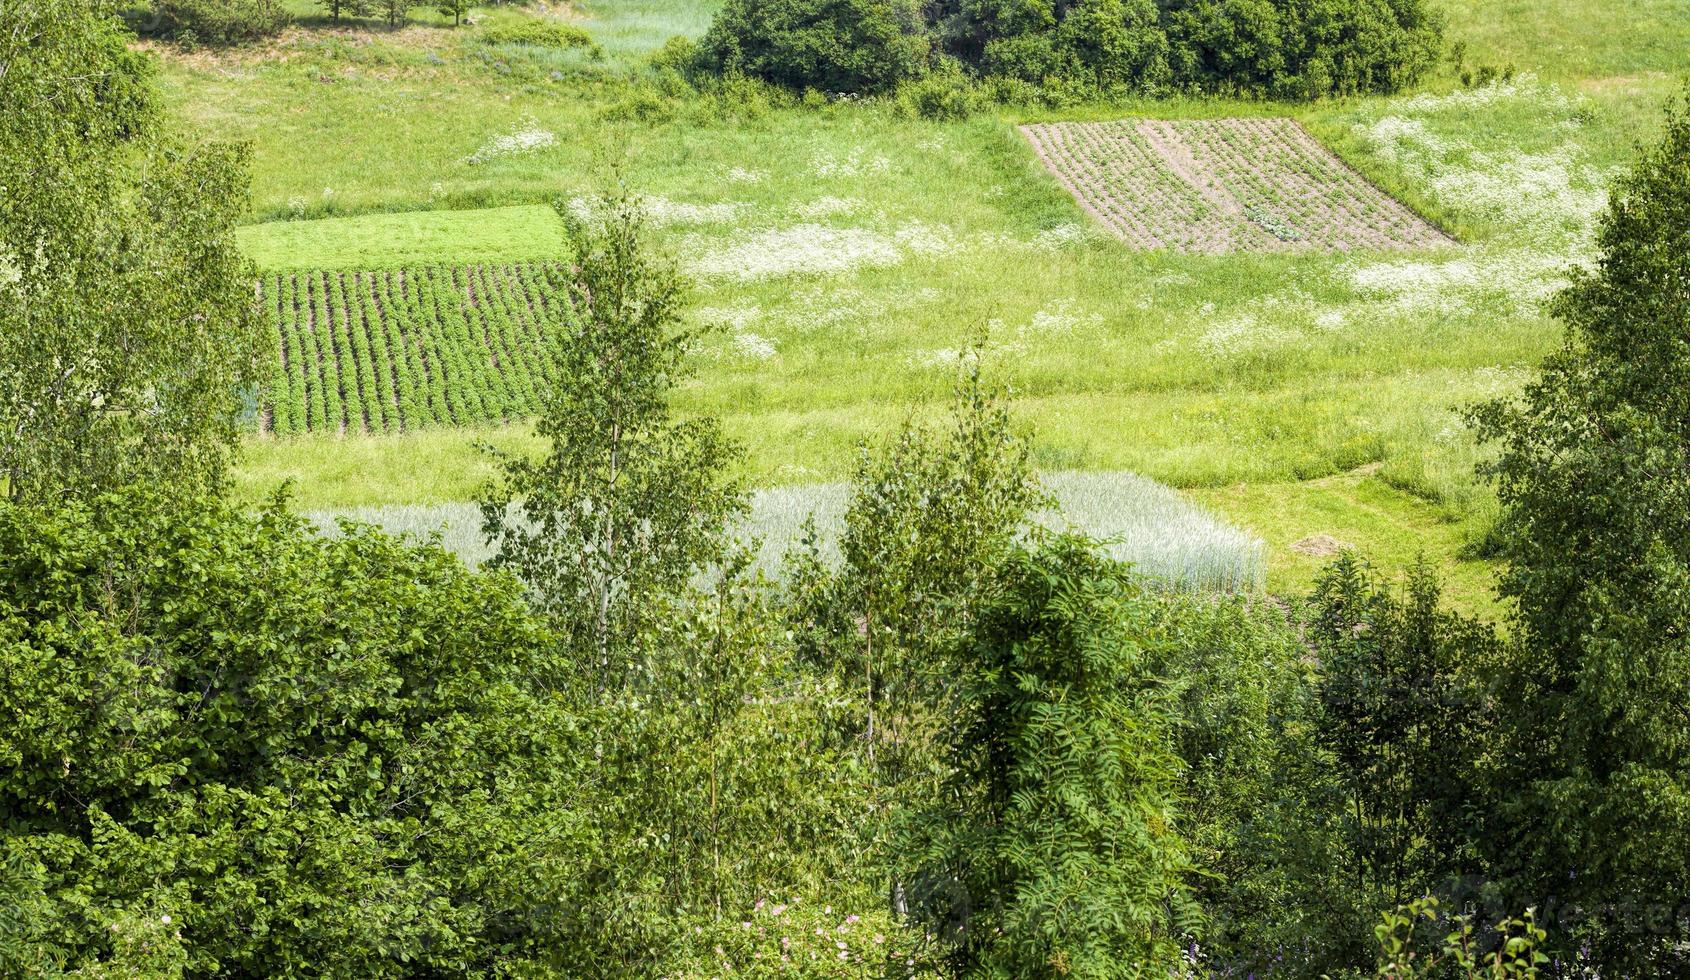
{"x":1166,"y":537}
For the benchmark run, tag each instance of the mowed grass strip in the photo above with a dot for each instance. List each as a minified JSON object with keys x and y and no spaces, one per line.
{"x":1224,"y":185}
{"x":398,"y":350}
{"x":489,"y":236}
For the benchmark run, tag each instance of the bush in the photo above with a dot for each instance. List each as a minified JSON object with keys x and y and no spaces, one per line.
{"x":1302,"y":48}
{"x":1055,"y":852}
{"x":854,"y":46}
{"x":946,"y":94}
{"x":233,"y":747}
{"x":223,"y":22}
{"x":534,"y":32}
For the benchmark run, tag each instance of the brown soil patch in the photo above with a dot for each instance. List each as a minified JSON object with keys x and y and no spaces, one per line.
{"x":1320,"y":546}
{"x":1224,"y":185}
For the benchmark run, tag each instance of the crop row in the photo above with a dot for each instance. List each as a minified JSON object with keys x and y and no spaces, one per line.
{"x":404,"y":349}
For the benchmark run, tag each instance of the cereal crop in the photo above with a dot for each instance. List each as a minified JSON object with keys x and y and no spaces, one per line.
{"x":403,"y":349}
{"x":1224,"y":185}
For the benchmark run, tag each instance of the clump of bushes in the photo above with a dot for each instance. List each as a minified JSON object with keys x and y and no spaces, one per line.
{"x":1299,"y":49}
{"x":534,"y":32}
{"x":222,"y":22}
{"x":855,"y":46}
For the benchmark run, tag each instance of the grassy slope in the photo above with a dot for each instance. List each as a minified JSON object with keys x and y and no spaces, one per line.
{"x":380,"y":241}
{"x":1212,"y":373}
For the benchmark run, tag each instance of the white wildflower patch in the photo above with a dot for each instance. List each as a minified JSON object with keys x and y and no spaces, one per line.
{"x":530,"y":137}
{"x":1242,"y":334}
{"x":1060,"y":318}
{"x":924,"y":239}
{"x":754,"y":347}
{"x":661,"y":212}
{"x":854,"y":164}
{"x":806,"y":249}
{"x":1061,"y":237}
{"x":737,"y":318}
{"x":1522,"y":87}
{"x":828,"y":207}
{"x":740,"y":175}
{"x":10,"y":272}
{"x":1551,"y":191}
{"x":1331,"y":321}
{"x":1523,"y":278}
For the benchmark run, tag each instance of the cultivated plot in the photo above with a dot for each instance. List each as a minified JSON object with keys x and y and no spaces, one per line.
{"x":402,"y":349}
{"x":1224,"y":185}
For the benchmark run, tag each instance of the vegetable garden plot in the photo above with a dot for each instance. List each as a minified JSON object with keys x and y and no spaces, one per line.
{"x":1224,"y":185}
{"x":403,"y":349}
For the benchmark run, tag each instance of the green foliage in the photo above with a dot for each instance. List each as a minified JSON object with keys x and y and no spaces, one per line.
{"x":1516,"y":954}
{"x":1302,"y":48}
{"x":407,"y":349}
{"x":841,"y":46}
{"x":929,"y":518}
{"x":455,"y":9}
{"x":1054,"y":851}
{"x":1403,"y":718}
{"x":1593,"y":774}
{"x":235,"y":747}
{"x":127,"y":337}
{"x":628,"y":503}
{"x":395,"y":11}
{"x":221,"y":22}
{"x":348,"y":8}
{"x":538,"y":33}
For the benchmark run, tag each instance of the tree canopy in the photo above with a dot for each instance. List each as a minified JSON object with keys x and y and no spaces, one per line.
{"x":127,"y":331}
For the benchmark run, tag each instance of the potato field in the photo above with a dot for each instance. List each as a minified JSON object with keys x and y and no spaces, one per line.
{"x":403,"y":349}
{"x":1224,"y":185}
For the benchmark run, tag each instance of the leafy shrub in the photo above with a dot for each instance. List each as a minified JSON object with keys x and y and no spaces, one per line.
{"x":678,"y":54}
{"x":233,"y":746}
{"x":222,"y":22}
{"x":1515,"y":955}
{"x":944,"y":94}
{"x":856,"y":46}
{"x":538,"y":33}
{"x":1302,"y":48}
{"x":1055,"y":852}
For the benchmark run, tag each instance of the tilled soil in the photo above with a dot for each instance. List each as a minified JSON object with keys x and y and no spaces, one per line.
{"x":1224,"y":185}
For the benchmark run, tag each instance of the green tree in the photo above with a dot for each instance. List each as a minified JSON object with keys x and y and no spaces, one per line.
{"x":855,"y":46}
{"x":628,"y":503}
{"x":1054,"y":850}
{"x":128,"y":333}
{"x":336,"y":8}
{"x":395,"y":11}
{"x":455,"y":9}
{"x":1593,"y":772}
{"x":928,"y":521}
{"x":1404,"y":721}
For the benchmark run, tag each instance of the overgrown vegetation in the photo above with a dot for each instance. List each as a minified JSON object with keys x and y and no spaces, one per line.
{"x":1291,"y":49}
{"x":943,"y":744}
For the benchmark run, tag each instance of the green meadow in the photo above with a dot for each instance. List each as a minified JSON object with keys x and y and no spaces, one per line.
{"x":845,"y":252}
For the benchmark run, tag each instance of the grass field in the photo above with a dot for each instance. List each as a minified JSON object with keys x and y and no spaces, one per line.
{"x":386,"y":241}
{"x":843,"y":255}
